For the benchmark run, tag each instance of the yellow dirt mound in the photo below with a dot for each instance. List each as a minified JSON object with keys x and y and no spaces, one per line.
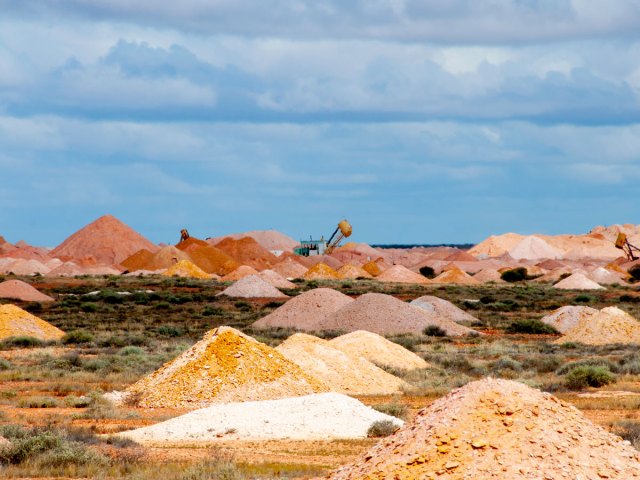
{"x":225,"y":366}
{"x":456,"y":276}
{"x":16,"y":322}
{"x":184,"y":268}
{"x":372,"y":268}
{"x":353,"y":272}
{"x":321,"y":271}
{"x":610,"y":325}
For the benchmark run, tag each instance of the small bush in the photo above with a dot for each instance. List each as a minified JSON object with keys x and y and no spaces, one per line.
{"x":427,"y":272}
{"x":514,"y":275}
{"x":162,"y":306}
{"x":4,"y":364}
{"x":397,"y":410}
{"x":381,"y":428}
{"x":131,"y":350}
{"x":588,"y":376}
{"x":89,"y":307}
{"x":21,"y":341}
{"x":77,"y":336}
{"x":629,"y":430}
{"x":434,"y":331}
{"x":167,"y":331}
{"x":584,"y":299}
{"x":506,"y":363}
{"x":219,"y":468}
{"x":535,"y":327}
{"x":38,"y":402}
{"x":588,"y":362}
{"x":542,"y":364}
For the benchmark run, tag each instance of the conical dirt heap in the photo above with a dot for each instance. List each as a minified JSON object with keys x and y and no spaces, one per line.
{"x":252,"y":286}
{"x":578,"y":281}
{"x":456,"y":276}
{"x":225,"y":366}
{"x":442,"y":308}
{"x":497,"y":429}
{"x":352,"y":272}
{"x":565,"y":318}
{"x":107,"y":239}
{"x":185,"y":268}
{"x":378,"y":350}
{"x":321,"y":271}
{"x":610,"y":325}
{"x":342,"y":372}
{"x":400,"y":274}
{"x":305,"y":311}
{"x":20,"y":290}
{"x":247,"y":251}
{"x":16,"y":322}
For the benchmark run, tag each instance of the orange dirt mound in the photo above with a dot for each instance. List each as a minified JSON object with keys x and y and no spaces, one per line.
{"x":211,"y":259}
{"x":138,"y":261}
{"x":239,"y":273}
{"x":275,"y":279}
{"x":225,"y":366}
{"x":372,"y":268}
{"x":352,"y":272}
{"x":247,"y":251}
{"x":191,"y":242}
{"x":184,"y":268}
{"x":456,"y":276}
{"x":16,"y":322}
{"x":321,"y":271}
{"x":165,"y":258}
{"x":107,"y":239}
{"x":497,"y":429}
{"x":20,"y":290}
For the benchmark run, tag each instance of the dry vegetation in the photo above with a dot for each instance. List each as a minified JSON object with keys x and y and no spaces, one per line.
{"x":51,"y":408}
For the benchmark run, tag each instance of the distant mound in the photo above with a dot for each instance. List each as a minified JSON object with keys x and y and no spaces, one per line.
{"x":565,"y":318}
{"x":455,"y":276}
{"x":400,"y":274}
{"x":20,"y":290}
{"x":609,"y":326}
{"x":246,"y":251}
{"x":252,"y":286}
{"x":321,"y":271}
{"x":186,"y":269}
{"x":290,"y":268}
{"x":107,"y":239}
{"x":306,"y":310}
{"x":442,"y":308}
{"x":268,"y":239}
{"x":578,"y":281}
{"x":497,"y":429}
{"x":225,"y":366}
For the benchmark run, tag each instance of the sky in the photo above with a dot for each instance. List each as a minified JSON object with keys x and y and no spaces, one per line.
{"x":420,"y":121}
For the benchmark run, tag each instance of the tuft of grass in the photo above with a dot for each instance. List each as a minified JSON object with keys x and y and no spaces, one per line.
{"x":629,"y":430}
{"x":77,"y":336}
{"x":394,"y":409}
{"x":535,"y":327}
{"x":21,"y":341}
{"x":434,"y":331}
{"x":38,"y":402}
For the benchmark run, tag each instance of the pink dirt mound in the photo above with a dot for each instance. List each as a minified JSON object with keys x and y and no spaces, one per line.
{"x":67,"y":269}
{"x":534,"y":248}
{"x":290,"y":268}
{"x":25,"y":267}
{"x":24,"y":251}
{"x":107,"y":239}
{"x":247,"y":251}
{"x":385,"y":315}
{"x":252,"y":286}
{"x":326,"y":259}
{"x":443,"y":308}
{"x":565,"y":318}
{"x":488,"y":275}
{"x":461,"y":256}
{"x":306,"y":310}
{"x":19,"y":290}
{"x":578,"y":281}
{"x":400,"y":274}
{"x":352,"y":272}
{"x":275,"y":279}
{"x":497,"y":429}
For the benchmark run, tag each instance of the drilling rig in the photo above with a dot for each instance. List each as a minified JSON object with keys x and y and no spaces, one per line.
{"x":623,"y":244}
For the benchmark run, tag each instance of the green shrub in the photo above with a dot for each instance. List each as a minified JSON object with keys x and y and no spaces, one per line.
{"x":427,"y":272}
{"x":38,"y":402}
{"x":394,"y":409}
{"x":381,"y":428}
{"x":218,"y":468}
{"x":167,"y":331}
{"x":131,"y":350}
{"x":162,"y":306}
{"x":434,"y":331}
{"x":588,"y":362}
{"x":4,"y":364}
{"x":514,"y":275}
{"x":588,"y":376}
{"x":77,"y":336}
{"x":583,"y":298}
{"x":543,"y":363}
{"x":89,"y":307}
{"x":535,"y":327}
{"x":21,"y":341}
{"x":506,"y":363}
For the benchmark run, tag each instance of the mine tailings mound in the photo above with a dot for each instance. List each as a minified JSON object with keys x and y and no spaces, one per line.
{"x":497,"y":429}
{"x":442,"y":308}
{"x":305,"y":311}
{"x":610,"y":325}
{"x":565,"y":318}
{"x":107,"y":239}
{"x":342,"y":372}
{"x":378,"y":350}
{"x":298,"y":418}
{"x":15,"y":322}
{"x":19,"y":290}
{"x":252,"y":286}
{"x":246,"y":251}
{"x":225,"y":366}
{"x":385,"y":315}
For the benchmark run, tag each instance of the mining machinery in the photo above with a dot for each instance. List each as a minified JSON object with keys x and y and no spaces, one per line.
{"x":623,"y":244}
{"x":319,"y":247}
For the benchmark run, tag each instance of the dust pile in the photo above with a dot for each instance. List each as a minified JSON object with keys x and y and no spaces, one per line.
{"x":252,"y":286}
{"x":299,"y":418}
{"x":246,"y":251}
{"x":321,"y":271}
{"x":455,"y":276}
{"x":565,"y":318}
{"x":19,"y":290}
{"x":306,"y":310}
{"x":604,"y":276}
{"x":385,"y":315}
{"x":211,"y":259}
{"x":184,"y":268}
{"x":225,"y":366}
{"x":534,"y":248}
{"x":342,"y":372}
{"x":16,"y":322}
{"x":107,"y":240}
{"x":578,"y":281}
{"x":400,"y":274}
{"x":489,"y":275}
{"x":290,"y":268}
{"x":352,"y":272}
{"x":442,"y":308}
{"x":138,"y":261}
{"x":239,"y":273}
{"x":275,"y":279}
{"x":609,"y":325}
{"x":378,"y":350}
{"x":497,"y":429}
